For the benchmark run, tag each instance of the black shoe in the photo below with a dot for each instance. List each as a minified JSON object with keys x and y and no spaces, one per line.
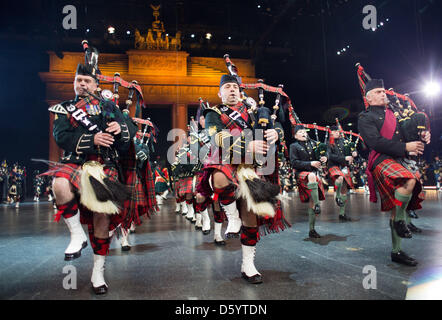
{"x":125,"y":248}
{"x":340,"y":202}
{"x":198,"y":228}
{"x":402,"y":258}
{"x":314,"y":234}
{"x":100,"y":290}
{"x":402,"y":229}
{"x":206,"y":232}
{"x":232,"y":235}
{"x":131,"y":231}
{"x":413,"y":228}
{"x":344,"y":218}
{"x":412,"y":214}
{"x":256,"y":279}
{"x":317,"y":209}
{"x":219,"y":243}
{"x":75,"y":255}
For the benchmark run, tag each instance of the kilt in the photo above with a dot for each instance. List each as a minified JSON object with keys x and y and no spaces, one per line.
{"x":266,"y":224}
{"x":335,"y":173}
{"x":304,"y":192}
{"x":161,"y":186}
{"x":185,"y":186}
{"x":176,"y":189}
{"x":390,"y":175}
{"x":142,"y":201}
{"x":72,"y":172}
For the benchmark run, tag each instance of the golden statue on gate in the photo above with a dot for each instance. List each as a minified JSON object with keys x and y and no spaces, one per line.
{"x":156,"y":37}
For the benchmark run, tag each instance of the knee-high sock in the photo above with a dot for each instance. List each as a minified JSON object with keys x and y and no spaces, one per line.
{"x":99,"y":246}
{"x":338,"y":189}
{"x":395,"y":239}
{"x":342,"y":209}
{"x":401,"y":205}
{"x":225,"y":195}
{"x":313,"y":186}
{"x":249,"y":236}
{"x":311,"y":218}
{"x":67,"y":210}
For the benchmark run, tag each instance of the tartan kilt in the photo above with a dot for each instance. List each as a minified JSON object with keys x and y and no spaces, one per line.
{"x":72,"y":172}
{"x":160,"y":187}
{"x":335,"y":173}
{"x":176,"y":190}
{"x":185,"y":186}
{"x":304,"y":192}
{"x":266,"y":224}
{"x":228,"y":169}
{"x":390,"y":175}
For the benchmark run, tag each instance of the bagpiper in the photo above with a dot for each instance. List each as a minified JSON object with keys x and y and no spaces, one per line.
{"x":236,"y":185}
{"x":95,"y":182}
{"x":393,"y":139}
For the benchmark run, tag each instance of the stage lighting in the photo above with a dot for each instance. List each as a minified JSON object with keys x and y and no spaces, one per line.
{"x":111,"y":30}
{"x":192,"y":35}
{"x":432,"y":89}
{"x":208,"y":36}
{"x":127,"y":32}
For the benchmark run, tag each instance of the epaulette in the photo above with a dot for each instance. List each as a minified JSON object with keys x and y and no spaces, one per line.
{"x":60,"y":107}
{"x":212,"y":108}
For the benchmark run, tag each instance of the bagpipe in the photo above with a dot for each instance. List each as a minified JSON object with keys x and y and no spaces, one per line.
{"x":145,"y":139}
{"x":184,"y":165}
{"x":261,"y":116}
{"x":199,"y":139}
{"x":412,"y":122}
{"x":91,"y":59}
{"x":350,"y":146}
{"x":319,"y":148}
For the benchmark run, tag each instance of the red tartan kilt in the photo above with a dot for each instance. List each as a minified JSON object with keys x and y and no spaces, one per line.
{"x":228,"y":169}
{"x":266,"y":224}
{"x":304,"y":192}
{"x":68,"y":171}
{"x":335,"y":173}
{"x":390,"y":175}
{"x":185,"y":186}
{"x":175,"y":188}
{"x":71,"y":172}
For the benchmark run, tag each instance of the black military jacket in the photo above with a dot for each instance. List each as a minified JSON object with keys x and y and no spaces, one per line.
{"x":77,"y":142}
{"x":336,"y":154}
{"x":301,"y":156}
{"x":370,"y":124}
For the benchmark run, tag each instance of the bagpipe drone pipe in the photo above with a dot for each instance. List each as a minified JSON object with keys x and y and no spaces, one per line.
{"x":412,"y":122}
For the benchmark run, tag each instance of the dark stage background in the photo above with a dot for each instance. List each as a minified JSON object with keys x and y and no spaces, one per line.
{"x":290,"y":42}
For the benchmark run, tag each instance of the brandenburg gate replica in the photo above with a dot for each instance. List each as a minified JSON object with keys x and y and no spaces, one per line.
{"x":171,"y":80}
